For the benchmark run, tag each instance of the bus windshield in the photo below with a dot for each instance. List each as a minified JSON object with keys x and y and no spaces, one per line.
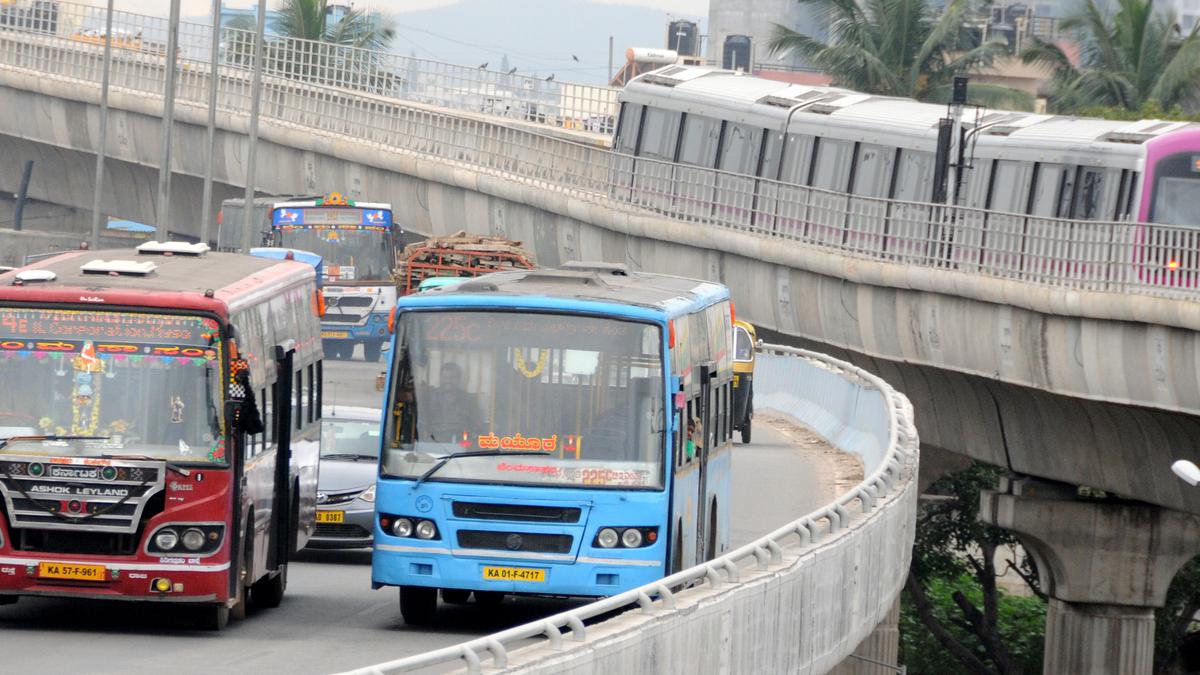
{"x":585,"y":392}
{"x":148,"y":384}
{"x":349,"y":253}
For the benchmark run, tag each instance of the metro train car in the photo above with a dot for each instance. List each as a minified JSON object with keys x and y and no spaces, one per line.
{"x":1036,"y":165}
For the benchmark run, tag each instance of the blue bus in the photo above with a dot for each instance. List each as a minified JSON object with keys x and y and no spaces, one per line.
{"x":553,"y":432}
{"x":357,"y":242}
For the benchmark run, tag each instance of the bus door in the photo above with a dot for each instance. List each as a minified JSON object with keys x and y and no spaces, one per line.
{"x":281,"y":501}
{"x":703,"y":411}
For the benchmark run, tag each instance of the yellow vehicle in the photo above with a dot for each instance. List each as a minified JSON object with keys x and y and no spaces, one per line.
{"x":744,"y":343}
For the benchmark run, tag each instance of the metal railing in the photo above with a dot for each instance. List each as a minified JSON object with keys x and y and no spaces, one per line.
{"x":892,"y":475}
{"x":1121,"y":257}
{"x":480,"y":90}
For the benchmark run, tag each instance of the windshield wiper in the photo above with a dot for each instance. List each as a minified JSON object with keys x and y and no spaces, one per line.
{"x":43,"y":437}
{"x":473,"y":453}
{"x":146,"y":458}
{"x":349,"y":455}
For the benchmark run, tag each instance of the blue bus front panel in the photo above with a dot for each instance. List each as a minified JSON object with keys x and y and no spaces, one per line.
{"x":518,"y":540}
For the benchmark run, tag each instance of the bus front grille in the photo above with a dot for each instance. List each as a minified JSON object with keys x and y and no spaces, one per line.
{"x":515,"y":541}
{"x":516,"y":512}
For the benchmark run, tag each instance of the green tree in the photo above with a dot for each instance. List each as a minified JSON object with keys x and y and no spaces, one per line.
{"x":309,"y":20}
{"x":955,"y":617}
{"x":1127,"y":59}
{"x":899,"y":48}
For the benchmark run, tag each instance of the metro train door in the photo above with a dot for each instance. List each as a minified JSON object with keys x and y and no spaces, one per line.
{"x":704,"y":373}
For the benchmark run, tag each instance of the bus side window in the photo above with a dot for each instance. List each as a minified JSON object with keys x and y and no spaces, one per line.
{"x":310,"y":415}
{"x":319,"y":386}
{"x":298,"y":405}
{"x":269,"y":414}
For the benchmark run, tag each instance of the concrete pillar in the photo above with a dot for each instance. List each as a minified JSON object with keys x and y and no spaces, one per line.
{"x":1106,"y":565}
{"x":882,"y":646}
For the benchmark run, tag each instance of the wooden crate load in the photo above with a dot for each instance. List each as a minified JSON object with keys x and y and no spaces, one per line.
{"x":458,"y":255}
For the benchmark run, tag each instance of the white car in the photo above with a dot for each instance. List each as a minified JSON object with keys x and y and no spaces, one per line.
{"x":350,"y":441}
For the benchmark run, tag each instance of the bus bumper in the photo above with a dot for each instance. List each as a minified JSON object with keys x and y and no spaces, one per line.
{"x":187,"y":581}
{"x":392,"y":565}
{"x":373,"y":330}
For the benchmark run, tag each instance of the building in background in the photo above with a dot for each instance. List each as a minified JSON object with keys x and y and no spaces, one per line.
{"x":739,"y":30}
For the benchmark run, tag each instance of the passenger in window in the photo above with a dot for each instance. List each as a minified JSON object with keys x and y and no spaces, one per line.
{"x":450,"y":414}
{"x":695,"y":438}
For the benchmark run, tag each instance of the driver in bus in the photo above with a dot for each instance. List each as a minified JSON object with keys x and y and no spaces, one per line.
{"x":450,"y":410}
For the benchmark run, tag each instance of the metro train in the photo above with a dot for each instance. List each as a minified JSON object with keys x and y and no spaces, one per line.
{"x":1046,"y":166}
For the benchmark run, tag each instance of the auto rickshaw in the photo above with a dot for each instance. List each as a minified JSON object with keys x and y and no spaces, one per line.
{"x":744,"y":344}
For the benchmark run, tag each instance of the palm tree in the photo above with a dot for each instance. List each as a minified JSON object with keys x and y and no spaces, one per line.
{"x":899,"y":48}
{"x":310,"y":20}
{"x":1127,"y":59}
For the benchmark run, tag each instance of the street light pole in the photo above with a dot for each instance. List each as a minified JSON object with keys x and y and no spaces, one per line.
{"x":168,"y":121}
{"x":102,"y":147}
{"x":255,"y":94}
{"x":213,"y":79}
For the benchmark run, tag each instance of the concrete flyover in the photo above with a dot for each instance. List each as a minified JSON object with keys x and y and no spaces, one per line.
{"x":796,"y":601}
{"x":1077,"y":375}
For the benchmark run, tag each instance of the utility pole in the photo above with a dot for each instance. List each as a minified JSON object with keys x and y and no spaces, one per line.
{"x":260,"y":30}
{"x":213,"y":79}
{"x":102,"y":148}
{"x":610,"y":59}
{"x":163,"y":226}
{"x":958,"y":99}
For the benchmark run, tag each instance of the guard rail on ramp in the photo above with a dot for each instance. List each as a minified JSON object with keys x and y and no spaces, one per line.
{"x":799,"y":600}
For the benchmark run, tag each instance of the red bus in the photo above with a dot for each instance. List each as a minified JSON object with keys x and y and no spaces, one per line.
{"x":159,"y":426}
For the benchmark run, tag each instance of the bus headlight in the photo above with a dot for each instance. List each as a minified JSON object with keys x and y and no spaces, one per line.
{"x":631,"y":538}
{"x":608,"y":538}
{"x":193,"y":539}
{"x":403,"y":527}
{"x":166,"y":540}
{"x":426,"y":529}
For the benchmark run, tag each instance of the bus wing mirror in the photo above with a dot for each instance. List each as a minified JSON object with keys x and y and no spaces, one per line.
{"x":244,"y":413}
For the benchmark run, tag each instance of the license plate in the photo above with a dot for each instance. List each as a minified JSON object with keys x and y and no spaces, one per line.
{"x":513,"y":574}
{"x":331,"y":516}
{"x":49,"y":570}
{"x":334,"y":334}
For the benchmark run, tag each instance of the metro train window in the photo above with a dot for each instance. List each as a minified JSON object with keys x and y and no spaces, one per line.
{"x":660,"y":131}
{"x":1096,"y":193}
{"x":631,"y":117}
{"x":739,"y":151}
{"x":1010,"y":186}
{"x":913,"y":182}
{"x":1052,"y":180}
{"x":700,"y":137}
{"x":796,"y":158}
{"x":832,"y":170}
{"x":873,"y":178}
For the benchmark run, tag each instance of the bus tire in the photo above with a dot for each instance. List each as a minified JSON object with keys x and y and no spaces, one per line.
{"x":677,"y":550}
{"x":212,"y":617}
{"x":746,"y":431}
{"x":372,"y":351}
{"x":711,"y":545}
{"x":243,"y":571}
{"x":267,"y":593}
{"x":418,"y":605}
{"x":455,"y":596}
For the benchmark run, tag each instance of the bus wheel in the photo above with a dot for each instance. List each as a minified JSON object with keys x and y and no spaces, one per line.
{"x":418,"y":605}
{"x":212,"y":617}
{"x":455,"y":596}
{"x":746,"y":431}
{"x":268,"y":593}
{"x":489,"y":599}
{"x":372,"y":351}
{"x":243,"y":571}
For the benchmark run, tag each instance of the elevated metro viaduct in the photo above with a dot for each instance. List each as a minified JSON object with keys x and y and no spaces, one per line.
{"x":1063,"y":388}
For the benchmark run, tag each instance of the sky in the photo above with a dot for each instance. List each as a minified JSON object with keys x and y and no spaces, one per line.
{"x":202,"y":7}
{"x":566,"y":38}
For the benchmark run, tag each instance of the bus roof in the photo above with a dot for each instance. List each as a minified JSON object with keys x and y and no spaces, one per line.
{"x":220,"y":282}
{"x":587,"y":282}
{"x":312,"y":204}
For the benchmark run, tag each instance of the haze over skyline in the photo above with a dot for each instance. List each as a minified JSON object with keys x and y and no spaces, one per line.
{"x":691,"y":8}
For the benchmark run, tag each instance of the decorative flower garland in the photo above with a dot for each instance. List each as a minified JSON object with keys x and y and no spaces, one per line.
{"x":523,"y":367}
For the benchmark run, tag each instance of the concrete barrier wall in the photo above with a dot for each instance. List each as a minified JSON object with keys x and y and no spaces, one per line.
{"x":797,"y":601}
{"x":14,"y":246}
